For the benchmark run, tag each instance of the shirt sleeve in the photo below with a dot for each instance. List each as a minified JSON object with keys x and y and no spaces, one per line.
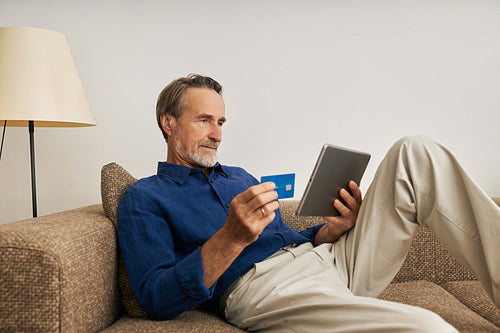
{"x":310,"y":233}
{"x":164,"y":285}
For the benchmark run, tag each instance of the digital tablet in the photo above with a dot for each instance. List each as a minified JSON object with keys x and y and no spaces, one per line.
{"x":335,"y":167}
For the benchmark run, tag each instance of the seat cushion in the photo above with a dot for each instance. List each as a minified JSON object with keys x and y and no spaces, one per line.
{"x":473,"y":295}
{"x":189,"y":321}
{"x":430,"y":296}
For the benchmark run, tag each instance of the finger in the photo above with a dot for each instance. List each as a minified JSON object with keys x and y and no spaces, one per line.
{"x":341,"y":208}
{"x":271,"y":206}
{"x":356,"y":192}
{"x":262,"y":200}
{"x":255,"y":190}
{"x":270,"y":185}
{"x":348,"y":199}
{"x":267,"y":209}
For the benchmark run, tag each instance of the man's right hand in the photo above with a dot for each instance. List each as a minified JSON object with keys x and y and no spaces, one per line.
{"x":251,"y":211}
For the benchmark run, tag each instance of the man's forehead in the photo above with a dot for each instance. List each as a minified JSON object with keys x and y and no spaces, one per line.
{"x":204,"y":101}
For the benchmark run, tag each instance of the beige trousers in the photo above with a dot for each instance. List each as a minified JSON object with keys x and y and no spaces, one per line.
{"x":330,"y":288}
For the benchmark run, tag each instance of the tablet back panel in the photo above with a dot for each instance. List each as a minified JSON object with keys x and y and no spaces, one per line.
{"x":335,"y":167}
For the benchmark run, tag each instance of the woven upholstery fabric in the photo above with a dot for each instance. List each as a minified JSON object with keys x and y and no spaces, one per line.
{"x":473,"y":295}
{"x":189,"y":321}
{"x":58,"y":273}
{"x":115,"y":181}
{"x":288,"y":209}
{"x":432,"y":297}
{"x":35,"y":274}
{"x":428,"y":260}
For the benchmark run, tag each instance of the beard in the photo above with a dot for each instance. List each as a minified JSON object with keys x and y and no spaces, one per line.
{"x":201,"y":157}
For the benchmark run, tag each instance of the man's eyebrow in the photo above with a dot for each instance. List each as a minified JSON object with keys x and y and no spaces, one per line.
{"x":210,"y":116}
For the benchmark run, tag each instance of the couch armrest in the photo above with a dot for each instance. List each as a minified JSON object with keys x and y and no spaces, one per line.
{"x":58,"y":273}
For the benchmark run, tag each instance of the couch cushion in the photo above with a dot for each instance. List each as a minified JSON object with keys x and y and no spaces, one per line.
{"x":115,"y":181}
{"x":473,"y":295}
{"x":430,"y":296}
{"x":189,"y":321}
{"x":288,"y":209}
{"x":429,"y":260}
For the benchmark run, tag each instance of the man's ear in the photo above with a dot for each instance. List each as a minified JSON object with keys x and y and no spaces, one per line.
{"x":168,"y":123}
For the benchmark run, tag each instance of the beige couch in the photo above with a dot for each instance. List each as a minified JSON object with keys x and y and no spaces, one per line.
{"x":60,"y":273}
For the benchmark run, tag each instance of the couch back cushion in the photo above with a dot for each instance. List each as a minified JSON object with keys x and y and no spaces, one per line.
{"x":115,"y":181}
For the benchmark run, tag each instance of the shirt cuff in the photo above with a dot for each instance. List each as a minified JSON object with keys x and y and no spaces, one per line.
{"x":310,"y":232}
{"x":189,"y":273}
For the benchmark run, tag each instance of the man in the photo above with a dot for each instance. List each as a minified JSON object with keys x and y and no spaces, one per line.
{"x":200,"y":233}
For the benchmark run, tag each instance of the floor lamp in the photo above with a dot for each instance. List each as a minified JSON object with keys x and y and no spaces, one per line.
{"x":39,"y":85}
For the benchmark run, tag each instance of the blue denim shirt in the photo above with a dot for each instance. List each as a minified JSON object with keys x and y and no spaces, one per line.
{"x":163,"y":221}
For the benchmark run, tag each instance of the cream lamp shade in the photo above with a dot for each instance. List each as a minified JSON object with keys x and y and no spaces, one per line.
{"x":39,"y":85}
{"x":39,"y":80}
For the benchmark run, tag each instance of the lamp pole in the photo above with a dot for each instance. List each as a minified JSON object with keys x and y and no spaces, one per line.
{"x":32,"y":156}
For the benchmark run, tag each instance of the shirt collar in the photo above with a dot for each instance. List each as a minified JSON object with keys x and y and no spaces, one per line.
{"x":180,"y":173}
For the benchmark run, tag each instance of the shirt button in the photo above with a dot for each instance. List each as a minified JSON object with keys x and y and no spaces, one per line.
{"x":228,"y":205}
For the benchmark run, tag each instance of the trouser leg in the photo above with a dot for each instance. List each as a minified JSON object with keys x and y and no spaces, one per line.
{"x":300,"y":291}
{"x":420,"y":182}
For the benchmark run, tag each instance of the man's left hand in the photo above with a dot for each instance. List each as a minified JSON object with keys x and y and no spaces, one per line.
{"x":336,"y":226}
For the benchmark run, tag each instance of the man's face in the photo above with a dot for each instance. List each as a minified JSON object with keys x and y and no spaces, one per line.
{"x":194,"y":137}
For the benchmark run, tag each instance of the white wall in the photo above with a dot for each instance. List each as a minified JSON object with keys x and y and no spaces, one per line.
{"x":296,"y":74}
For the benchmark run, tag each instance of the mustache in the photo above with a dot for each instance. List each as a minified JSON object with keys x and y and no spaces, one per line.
{"x":210,"y":143}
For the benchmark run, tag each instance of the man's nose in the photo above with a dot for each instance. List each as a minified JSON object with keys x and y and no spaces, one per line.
{"x":216,"y":133}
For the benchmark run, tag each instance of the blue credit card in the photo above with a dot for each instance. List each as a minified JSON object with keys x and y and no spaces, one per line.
{"x":285,"y":184}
